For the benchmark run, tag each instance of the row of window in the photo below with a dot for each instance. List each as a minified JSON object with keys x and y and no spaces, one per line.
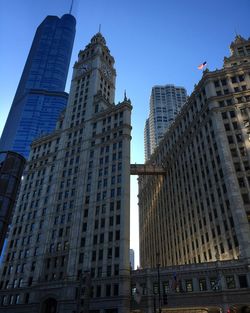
{"x":224,"y":81}
{"x":187,"y":285}
{"x":179,"y":195}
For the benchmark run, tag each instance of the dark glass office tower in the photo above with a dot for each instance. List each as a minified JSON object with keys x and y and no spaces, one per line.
{"x":40,"y":95}
{"x":11,"y":169}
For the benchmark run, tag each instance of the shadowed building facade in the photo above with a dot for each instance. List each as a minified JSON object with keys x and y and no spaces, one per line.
{"x":11,"y":169}
{"x":213,"y":287}
{"x":200,"y":209}
{"x":68,"y":247}
{"x":40,"y":95}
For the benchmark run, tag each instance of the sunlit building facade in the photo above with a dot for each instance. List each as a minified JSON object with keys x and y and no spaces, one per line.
{"x":165,"y":103}
{"x":68,"y":249}
{"x":200,"y":210}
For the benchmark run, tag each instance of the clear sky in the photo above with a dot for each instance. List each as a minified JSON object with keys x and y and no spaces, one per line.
{"x":153,"y":42}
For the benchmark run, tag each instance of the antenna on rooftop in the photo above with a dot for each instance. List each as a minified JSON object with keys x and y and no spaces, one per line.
{"x":100,"y":28}
{"x":71,"y":6}
{"x":236,"y":28}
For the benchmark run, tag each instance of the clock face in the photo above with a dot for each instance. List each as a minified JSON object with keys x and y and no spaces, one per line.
{"x":83,"y":68}
{"x":106,"y":71}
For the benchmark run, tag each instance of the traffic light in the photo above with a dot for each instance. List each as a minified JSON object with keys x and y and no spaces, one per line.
{"x":165,"y":299}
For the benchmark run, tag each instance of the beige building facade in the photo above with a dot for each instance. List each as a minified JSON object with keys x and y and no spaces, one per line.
{"x":199,"y":211}
{"x":68,"y":248}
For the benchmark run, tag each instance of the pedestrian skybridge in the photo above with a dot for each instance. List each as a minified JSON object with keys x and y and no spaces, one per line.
{"x":147,"y":169}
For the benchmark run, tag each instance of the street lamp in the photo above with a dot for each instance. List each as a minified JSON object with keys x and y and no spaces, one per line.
{"x":159,"y":282}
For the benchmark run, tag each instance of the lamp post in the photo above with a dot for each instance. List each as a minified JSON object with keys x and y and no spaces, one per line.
{"x":159,"y":282}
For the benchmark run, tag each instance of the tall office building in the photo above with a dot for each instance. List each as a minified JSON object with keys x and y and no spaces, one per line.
{"x":165,"y":103}
{"x":11,"y":169}
{"x":40,"y":95}
{"x":200,"y":210}
{"x":132,"y":258}
{"x":68,"y":248}
{"x":147,"y":147}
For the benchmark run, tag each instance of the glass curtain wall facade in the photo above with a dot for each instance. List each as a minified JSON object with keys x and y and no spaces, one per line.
{"x":40,"y":95}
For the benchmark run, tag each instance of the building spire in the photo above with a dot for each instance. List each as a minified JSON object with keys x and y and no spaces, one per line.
{"x":235,"y":31}
{"x":71,"y":6}
{"x":99,"y":28}
{"x":125,"y":95}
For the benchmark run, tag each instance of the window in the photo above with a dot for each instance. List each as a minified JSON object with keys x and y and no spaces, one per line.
{"x":98,"y":291}
{"x":202,"y":284}
{"x":214,"y":283}
{"x":230,"y":282}
{"x":81,"y":255}
{"x":100,"y":254}
{"x":245,"y":198}
{"x":117,"y":235}
{"x":243,"y":281}
{"x":232,"y":114}
{"x":224,"y":115}
{"x":109,"y":270}
{"x":117,"y":252}
{"x":216,"y":83}
{"x":116,"y":269}
{"x":59,"y":246}
{"x":189,"y":285}
{"x":117,"y":219}
{"x":17,"y":299}
{"x":110,"y":236}
{"x":4,"y":300}
{"x":116,"y":289}
{"x":233,"y":79}
{"x":223,"y":82}
{"x":108,"y":290}
{"x":230,"y":139}
{"x":66,"y":245}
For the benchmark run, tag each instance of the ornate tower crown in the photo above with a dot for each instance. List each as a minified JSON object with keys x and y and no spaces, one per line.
{"x":240,"y":52}
{"x":96,"y":64}
{"x":239,"y":41}
{"x":98,"y":38}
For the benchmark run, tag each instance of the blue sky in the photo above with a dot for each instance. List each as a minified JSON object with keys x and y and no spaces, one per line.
{"x":153,"y":42}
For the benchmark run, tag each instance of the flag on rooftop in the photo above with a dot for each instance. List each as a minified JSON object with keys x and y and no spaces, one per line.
{"x":201,"y":66}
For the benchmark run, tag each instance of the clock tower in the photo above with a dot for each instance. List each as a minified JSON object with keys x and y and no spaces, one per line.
{"x":76,"y":195}
{"x":96,"y":65}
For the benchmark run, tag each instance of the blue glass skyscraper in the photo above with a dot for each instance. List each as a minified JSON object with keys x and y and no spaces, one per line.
{"x":40,"y":95}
